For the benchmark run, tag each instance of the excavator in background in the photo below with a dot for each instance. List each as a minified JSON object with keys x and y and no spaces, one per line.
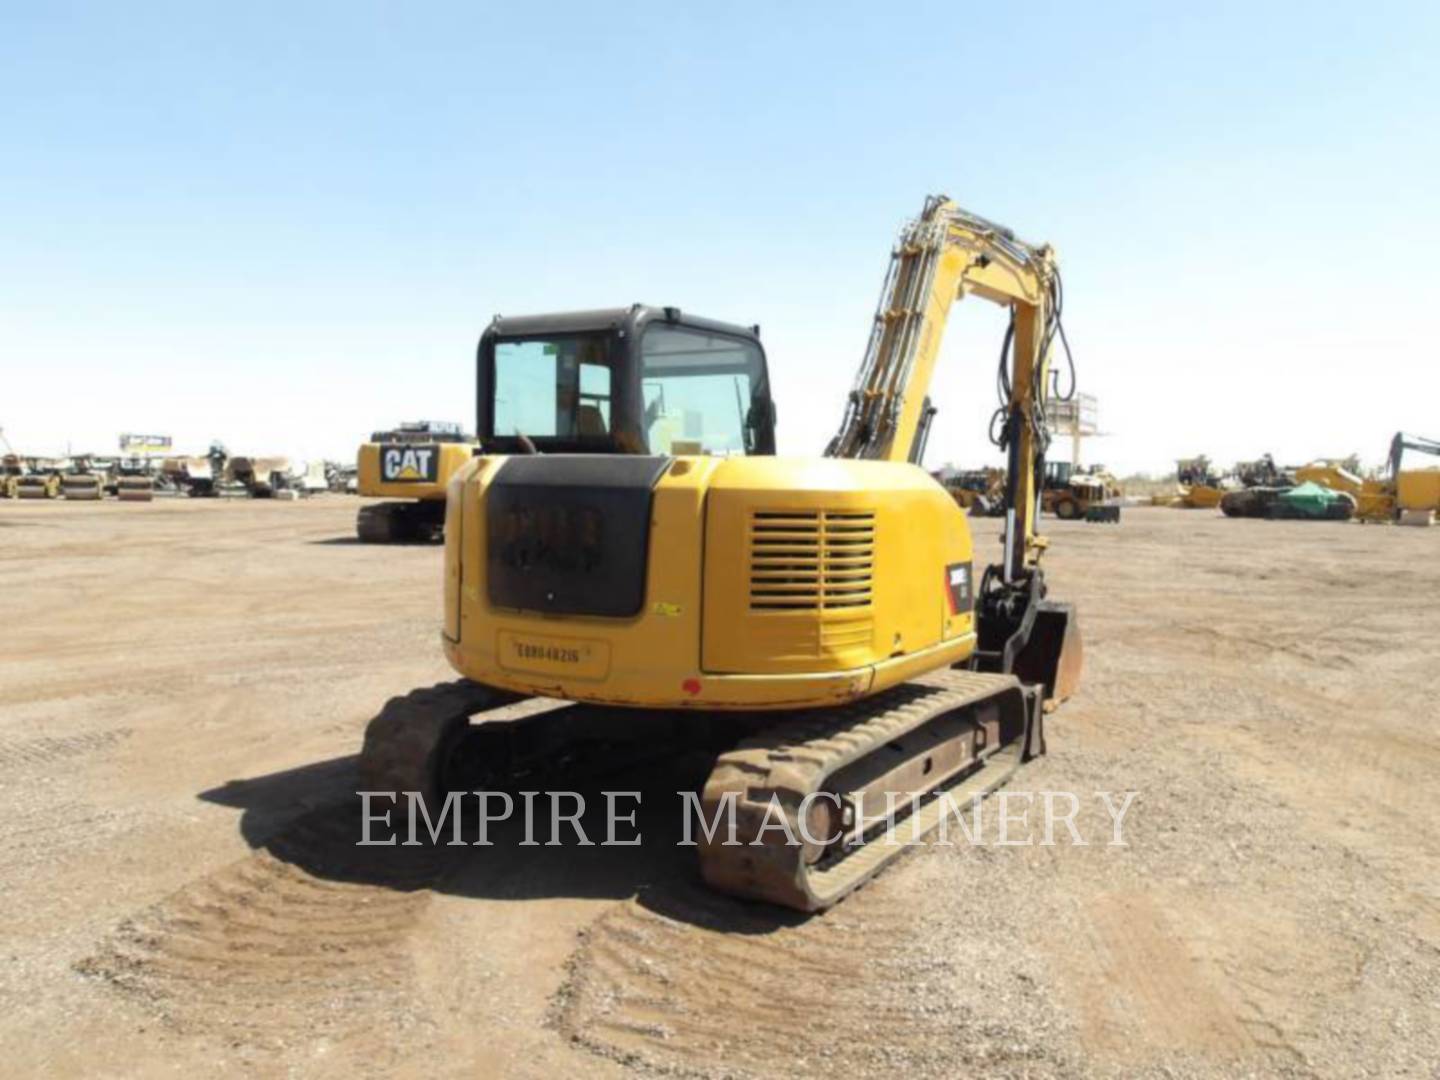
{"x":1416,"y":491}
{"x":627,"y":542}
{"x":1410,"y":496}
{"x":411,"y":465}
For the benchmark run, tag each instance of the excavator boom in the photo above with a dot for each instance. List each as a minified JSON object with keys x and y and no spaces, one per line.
{"x":941,"y":257}
{"x":1402,"y":442}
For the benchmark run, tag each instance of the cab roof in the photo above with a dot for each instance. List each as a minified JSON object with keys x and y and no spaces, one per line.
{"x":633,"y":317}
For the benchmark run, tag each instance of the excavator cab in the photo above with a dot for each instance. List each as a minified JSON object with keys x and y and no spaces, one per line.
{"x":637,"y":380}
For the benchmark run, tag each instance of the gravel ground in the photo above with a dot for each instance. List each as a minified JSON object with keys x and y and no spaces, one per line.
{"x":183,"y":690}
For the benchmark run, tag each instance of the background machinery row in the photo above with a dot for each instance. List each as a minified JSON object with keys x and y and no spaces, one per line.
{"x":1324,"y":489}
{"x":140,"y":477}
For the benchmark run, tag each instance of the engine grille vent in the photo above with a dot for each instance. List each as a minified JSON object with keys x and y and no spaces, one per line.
{"x":816,"y":560}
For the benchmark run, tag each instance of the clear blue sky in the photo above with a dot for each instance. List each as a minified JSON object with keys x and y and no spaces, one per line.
{"x":283,"y":225}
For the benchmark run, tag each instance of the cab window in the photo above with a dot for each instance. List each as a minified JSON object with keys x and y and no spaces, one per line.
{"x":703,"y":392}
{"x":555,"y":387}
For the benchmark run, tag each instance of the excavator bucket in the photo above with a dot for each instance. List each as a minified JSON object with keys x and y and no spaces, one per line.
{"x":1054,"y":654}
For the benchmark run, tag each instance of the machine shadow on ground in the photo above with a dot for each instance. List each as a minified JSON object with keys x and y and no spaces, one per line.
{"x":311,"y":818}
{"x":355,"y":541}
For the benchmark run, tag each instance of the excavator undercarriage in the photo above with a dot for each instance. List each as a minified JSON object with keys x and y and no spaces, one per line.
{"x":422,"y":521}
{"x":799,"y":812}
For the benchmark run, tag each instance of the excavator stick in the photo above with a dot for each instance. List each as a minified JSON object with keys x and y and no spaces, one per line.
{"x":1023,"y":633}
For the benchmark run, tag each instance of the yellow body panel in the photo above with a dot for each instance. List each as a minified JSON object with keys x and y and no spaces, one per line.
{"x":720,"y":627}
{"x":1200,"y":497}
{"x":1418,"y":489}
{"x":450,"y":458}
{"x":1375,"y":501}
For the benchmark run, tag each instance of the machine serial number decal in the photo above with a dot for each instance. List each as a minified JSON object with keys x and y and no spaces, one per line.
{"x":575,"y":657}
{"x":547,"y":652}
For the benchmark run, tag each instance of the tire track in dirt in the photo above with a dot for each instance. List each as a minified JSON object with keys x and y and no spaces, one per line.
{"x":1136,"y":965}
{"x":18,"y":752}
{"x":307,"y":936}
{"x":693,"y":983}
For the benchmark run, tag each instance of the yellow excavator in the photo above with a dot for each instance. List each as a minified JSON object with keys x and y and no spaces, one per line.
{"x":1416,"y":491}
{"x":627,"y":542}
{"x":1399,"y":494}
{"x":409,"y":465}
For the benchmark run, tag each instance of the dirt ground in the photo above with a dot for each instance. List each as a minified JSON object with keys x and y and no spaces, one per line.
{"x":183,"y":688}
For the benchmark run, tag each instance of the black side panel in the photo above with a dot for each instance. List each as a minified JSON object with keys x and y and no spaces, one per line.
{"x":570,"y":533}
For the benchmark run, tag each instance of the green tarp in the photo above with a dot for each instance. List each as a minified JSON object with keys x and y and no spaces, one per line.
{"x":1307,"y":500}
